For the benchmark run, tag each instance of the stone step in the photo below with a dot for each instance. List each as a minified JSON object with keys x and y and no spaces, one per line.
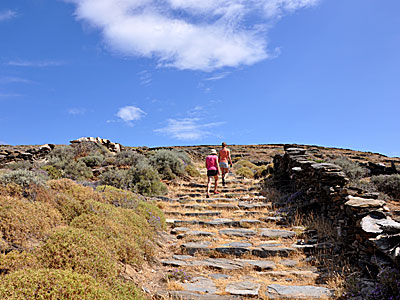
{"x":238,"y":249}
{"x":243,"y":223}
{"x":194,"y":213}
{"x":219,"y":263}
{"x":237,"y":232}
{"x":277,"y":291}
{"x":233,"y":205}
{"x":184,"y":295}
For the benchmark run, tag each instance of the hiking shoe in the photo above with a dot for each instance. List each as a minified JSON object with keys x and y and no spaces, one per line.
{"x":208,"y":196}
{"x":216,"y":192}
{"x":223,"y":181}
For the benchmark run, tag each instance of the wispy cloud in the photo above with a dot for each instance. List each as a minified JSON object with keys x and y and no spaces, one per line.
{"x":218,"y":76}
{"x":37,"y":64}
{"x":128,"y":114}
{"x":7,"y":15}
{"x":8,"y":79}
{"x":3,"y":143}
{"x":188,"y":34}
{"x":145,"y":77}
{"x":188,"y":128}
{"x":77,"y":111}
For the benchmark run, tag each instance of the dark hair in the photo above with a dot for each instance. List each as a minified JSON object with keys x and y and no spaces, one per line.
{"x":223,"y":144}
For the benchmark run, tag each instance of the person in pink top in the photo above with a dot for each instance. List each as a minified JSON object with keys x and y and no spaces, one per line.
{"x":213,"y":170}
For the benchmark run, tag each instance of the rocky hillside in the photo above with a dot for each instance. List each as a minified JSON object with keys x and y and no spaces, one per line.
{"x":264,"y":236}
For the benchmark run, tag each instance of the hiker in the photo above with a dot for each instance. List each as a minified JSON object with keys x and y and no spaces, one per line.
{"x":212,"y":171}
{"x":224,"y":157}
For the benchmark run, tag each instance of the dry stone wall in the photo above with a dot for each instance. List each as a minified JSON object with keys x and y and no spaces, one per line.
{"x":361,"y":219}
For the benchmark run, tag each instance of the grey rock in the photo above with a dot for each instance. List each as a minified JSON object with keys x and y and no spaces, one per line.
{"x":224,"y":206}
{"x":220,"y":222}
{"x":260,"y":265}
{"x":245,"y":288}
{"x":235,"y":248}
{"x":183,"y":295}
{"x":196,"y":233}
{"x":220,"y":263}
{"x":219,"y":276}
{"x":272,"y":251}
{"x":276,"y":233}
{"x":238,"y":232}
{"x":174,"y":263}
{"x":371,"y":224}
{"x":178,"y":230}
{"x":182,"y":257}
{"x":289,"y":263}
{"x":357,"y":202}
{"x":200,"y":284}
{"x":277,"y":291}
{"x":193,"y":247}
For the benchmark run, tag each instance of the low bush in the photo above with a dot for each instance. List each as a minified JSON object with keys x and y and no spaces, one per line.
{"x":79,"y":192}
{"x":24,"y":223}
{"x":144,"y":180}
{"x":119,"y":197}
{"x":261,"y":171}
{"x":23,"y":178}
{"x":46,"y":284}
{"x":78,"y":250}
{"x":168,"y":163}
{"x":388,"y":184}
{"x":192,"y":171}
{"x":20,"y":165}
{"x":116,"y":178}
{"x":53,"y":172}
{"x":128,"y":158}
{"x":92,"y":161}
{"x":245,"y":172}
{"x":352,"y":169}
{"x":125,"y":232}
{"x":244,"y":163}
{"x":17,"y":260}
{"x":87,"y":148}
{"x":153,"y":214}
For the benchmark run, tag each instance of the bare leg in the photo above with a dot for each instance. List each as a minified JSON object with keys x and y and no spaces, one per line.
{"x":215,"y":183}
{"x":208,"y":186}
{"x":224,"y":171}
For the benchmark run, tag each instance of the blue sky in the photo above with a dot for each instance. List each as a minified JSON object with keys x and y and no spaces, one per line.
{"x":186,"y":72}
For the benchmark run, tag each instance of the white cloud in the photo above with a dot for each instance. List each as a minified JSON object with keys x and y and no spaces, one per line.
{"x":38,"y":64}
{"x":9,"y":95}
{"x":129,"y":114}
{"x":145,"y":78}
{"x":188,"y":128}
{"x":188,"y":34}
{"x":7,"y":15}
{"x":218,"y":76}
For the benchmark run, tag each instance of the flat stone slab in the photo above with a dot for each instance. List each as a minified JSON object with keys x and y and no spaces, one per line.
{"x":182,"y":257}
{"x":244,"y":288}
{"x":306,"y":274}
{"x":178,"y":230}
{"x":290,"y":263}
{"x":175,"y":263}
{"x":272,"y":251}
{"x":183,"y":295}
{"x":238,"y":232}
{"x":277,"y":291}
{"x":200,"y":284}
{"x":260,"y":265}
{"x":276,"y":233}
{"x":194,"y":247}
{"x":357,"y":202}
{"x":249,"y":205}
{"x":195,"y":233}
{"x":249,"y":222}
{"x":202,"y":214}
{"x":235,"y":248}
{"x":219,"y":276}
{"x":224,"y":206}
{"x":219,"y":263}
{"x":219,"y":222}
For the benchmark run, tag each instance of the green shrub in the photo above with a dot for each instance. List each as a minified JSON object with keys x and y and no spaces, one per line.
{"x":144,"y":180}
{"x":245,"y":172}
{"x":92,"y":160}
{"x":352,"y":169}
{"x":18,"y":165}
{"x":128,"y":158}
{"x":126,"y":291}
{"x":261,"y":171}
{"x":168,"y":164}
{"x":125,"y":232}
{"x":16,"y":260}
{"x":53,"y":172}
{"x":63,"y":158}
{"x":116,"y":178}
{"x":244,"y":163}
{"x":46,"y":284}
{"x":78,"y":250}
{"x":388,"y":184}
{"x":24,"y":223}
{"x":154,"y":216}
{"x":192,"y":171}
{"x":79,"y":192}
{"x":23,"y":178}
{"x":119,"y":197}
{"x":87,"y":148}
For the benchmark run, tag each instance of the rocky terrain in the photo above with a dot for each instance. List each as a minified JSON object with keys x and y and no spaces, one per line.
{"x":278,"y":232}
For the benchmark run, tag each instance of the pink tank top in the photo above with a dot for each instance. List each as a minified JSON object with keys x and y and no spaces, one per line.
{"x":211,"y":162}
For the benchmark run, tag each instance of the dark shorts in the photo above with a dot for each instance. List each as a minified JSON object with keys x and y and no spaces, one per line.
{"x":212,"y":172}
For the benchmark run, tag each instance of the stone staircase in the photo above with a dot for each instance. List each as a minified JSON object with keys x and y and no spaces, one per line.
{"x":234,"y":246}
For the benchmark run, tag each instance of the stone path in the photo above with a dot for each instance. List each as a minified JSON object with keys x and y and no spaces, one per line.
{"x":234,"y":246}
